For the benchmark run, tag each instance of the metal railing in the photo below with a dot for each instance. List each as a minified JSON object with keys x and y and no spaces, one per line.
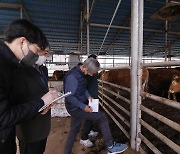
{"x":105,"y":91}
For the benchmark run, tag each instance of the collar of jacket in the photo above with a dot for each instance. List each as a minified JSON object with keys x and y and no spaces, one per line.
{"x":79,"y":69}
{"x":7,"y":54}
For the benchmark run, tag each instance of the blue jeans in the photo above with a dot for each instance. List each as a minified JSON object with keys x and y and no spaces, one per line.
{"x":77,"y":115}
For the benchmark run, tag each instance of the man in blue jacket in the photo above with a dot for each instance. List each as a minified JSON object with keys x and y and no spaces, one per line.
{"x":23,"y":42}
{"x":75,"y":81}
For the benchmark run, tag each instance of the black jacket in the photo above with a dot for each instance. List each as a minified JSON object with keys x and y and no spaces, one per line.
{"x":31,"y":83}
{"x":11,"y":114}
{"x":92,"y":85}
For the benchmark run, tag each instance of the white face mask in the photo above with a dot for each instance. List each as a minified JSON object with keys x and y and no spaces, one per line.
{"x":41,"y":60}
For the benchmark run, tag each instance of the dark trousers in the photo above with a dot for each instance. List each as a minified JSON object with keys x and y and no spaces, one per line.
{"x":77,"y":116}
{"x":9,"y":146}
{"x":87,"y":127}
{"x":33,"y":147}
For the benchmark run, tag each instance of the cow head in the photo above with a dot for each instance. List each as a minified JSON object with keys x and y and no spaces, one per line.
{"x":104,"y":75}
{"x":175,"y":84}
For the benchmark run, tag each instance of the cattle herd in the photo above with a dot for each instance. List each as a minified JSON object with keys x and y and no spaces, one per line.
{"x":163,"y":82}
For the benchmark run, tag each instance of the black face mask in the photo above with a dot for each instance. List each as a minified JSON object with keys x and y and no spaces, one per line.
{"x":30,"y":59}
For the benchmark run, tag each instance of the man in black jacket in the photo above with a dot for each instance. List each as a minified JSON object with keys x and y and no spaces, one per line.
{"x":92,"y":88}
{"x":23,"y":41}
{"x":31,"y":82}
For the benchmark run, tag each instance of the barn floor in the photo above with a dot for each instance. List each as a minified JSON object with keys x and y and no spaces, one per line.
{"x":57,"y":138}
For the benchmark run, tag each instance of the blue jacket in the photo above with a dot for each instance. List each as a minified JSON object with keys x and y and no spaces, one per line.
{"x":75,"y":82}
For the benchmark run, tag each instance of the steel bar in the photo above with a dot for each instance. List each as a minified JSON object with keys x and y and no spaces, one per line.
{"x":161,"y":118}
{"x":163,"y":64}
{"x":139,"y":70}
{"x":119,"y":96}
{"x":10,"y":5}
{"x":162,"y":100}
{"x":112,"y":117}
{"x":162,"y":137}
{"x":116,"y":112}
{"x":149,"y":144}
{"x":110,"y":25}
{"x":87,"y":32}
{"x":115,"y":85}
{"x":134,"y":67}
{"x":128,"y":28}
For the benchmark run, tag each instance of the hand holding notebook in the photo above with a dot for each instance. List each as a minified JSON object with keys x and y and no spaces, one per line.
{"x":94,"y":105}
{"x":60,"y":97}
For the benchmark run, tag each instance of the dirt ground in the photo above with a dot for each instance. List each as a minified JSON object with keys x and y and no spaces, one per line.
{"x":57,"y":139}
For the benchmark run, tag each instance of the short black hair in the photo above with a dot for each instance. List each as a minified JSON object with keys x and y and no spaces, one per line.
{"x":24,"y":28}
{"x":93,"y":56}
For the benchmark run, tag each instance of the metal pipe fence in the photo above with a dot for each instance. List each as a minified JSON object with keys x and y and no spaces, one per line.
{"x":105,"y":90}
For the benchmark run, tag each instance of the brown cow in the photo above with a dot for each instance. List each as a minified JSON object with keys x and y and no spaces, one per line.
{"x":154,"y":81}
{"x":160,"y":80}
{"x":59,"y":75}
{"x":122,"y":77}
{"x":174,"y":87}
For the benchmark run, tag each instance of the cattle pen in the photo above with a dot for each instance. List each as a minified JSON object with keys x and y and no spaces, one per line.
{"x":136,"y":106}
{"x":137,"y":43}
{"x":118,"y":108}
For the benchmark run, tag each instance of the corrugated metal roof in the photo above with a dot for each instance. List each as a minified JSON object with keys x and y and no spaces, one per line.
{"x":60,"y":20}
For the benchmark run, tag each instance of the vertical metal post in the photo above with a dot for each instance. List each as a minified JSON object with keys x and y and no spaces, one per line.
{"x":129,"y":58}
{"x":80,"y":28}
{"x":21,"y":12}
{"x":113,"y":57}
{"x":87,"y":16}
{"x":134,"y":72}
{"x":139,"y":62}
{"x":166,"y":39}
{"x":81,"y":38}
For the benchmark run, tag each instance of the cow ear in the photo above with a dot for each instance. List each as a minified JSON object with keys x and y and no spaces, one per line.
{"x":174,"y":82}
{"x":175,"y":77}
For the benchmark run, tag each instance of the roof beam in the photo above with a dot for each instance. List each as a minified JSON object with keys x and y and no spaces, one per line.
{"x":128,"y":28}
{"x":80,"y":27}
{"x":87,"y":25}
{"x":10,"y":5}
{"x":118,"y":34}
{"x":23,"y":7}
{"x":92,"y":7}
{"x":109,"y":26}
{"x":161,"y":49}
{"x":76,"y":44}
